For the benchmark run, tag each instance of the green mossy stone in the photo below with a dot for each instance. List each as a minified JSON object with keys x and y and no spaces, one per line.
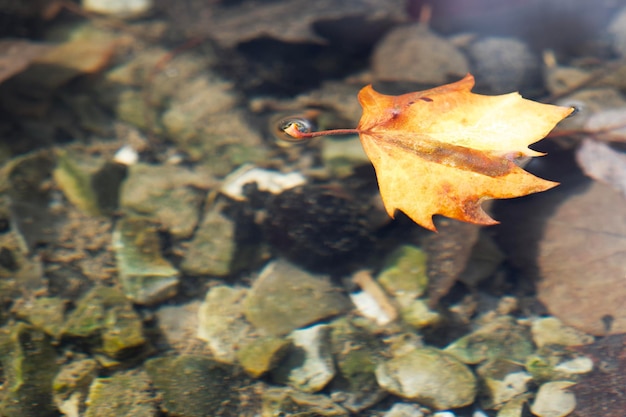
{"x":404,"y":273}
{"x":501,"y":338}
{"x":74,"y":175}
{"x":213,"y":248}
{"x":71,"y":385}
{"x":123,"y":331}
{"x":47,"y":314}
{"x":261,"y":355}
{"x":289,"y":402}
{"x":285,"y":298}
{"x":105,"y":314}
{"x":356,"y":353}
{"x":29,"y":365}
{"x":194,"y":386}
{"x":146,"y":276}
{"x":122,"y":394}
{"x":168,"y":195}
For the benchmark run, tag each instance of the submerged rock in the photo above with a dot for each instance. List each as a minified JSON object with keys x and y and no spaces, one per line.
{"x":319,"y":226}
{"x":284,"y":298}
{"x":146,"y":276}
{"x":404,"y":274}
{"x":214,"y":249}
{"x":106,"y":316}
{"x":554,"y":400}
{"x":289,"y":402}
{"x":122,"y":394}
{"x":503,"y":65}
{"x":552,"y":331}
{"x":29,"y":364}
{"x":501,"y":338}
{"x":45,"y":313}
{"x":166,"y":194}
{"x":194,"y":386}
{"x":262,"y":354}
{"x":404,"y":410}
{"x":429,"y":376}
{"x":552,"y":363}
{"x":356,"y":353}
{"x":91,"y":184}
{"x":221,"y":322}
{"x":502,"y":381}
{"x":71,"y":386}
{"x":308,"y":365}
{"x":416,"y":54}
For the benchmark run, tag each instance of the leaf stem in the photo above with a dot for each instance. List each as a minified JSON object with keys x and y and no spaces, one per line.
{"x":292,"y":129}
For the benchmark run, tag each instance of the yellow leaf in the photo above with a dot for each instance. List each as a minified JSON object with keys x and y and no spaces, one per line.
{"x":445,"y":150}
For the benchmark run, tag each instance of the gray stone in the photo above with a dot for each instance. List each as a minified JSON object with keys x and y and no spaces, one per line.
{"x":617,"y":31}
{"x":284,"y":298}
{"x":430,"y":377}
{"x":221,"y":323}
{"x":308,"y":365}
{"x":166,"y":194}
{"x":413,"y":53}
{"x":262,"y":354}
{"x":71,"y":386}
{"x":289,"y":402}
{"x":194,"y":386}
{"x":503,"y":65}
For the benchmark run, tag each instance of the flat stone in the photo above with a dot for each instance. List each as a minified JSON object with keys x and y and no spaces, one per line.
{"x":146,"y":276}
{"x":414,"y":53}
{"x":262,"y":354}
{"x":552,"y":331}
{"x":221,"y":322}
{"x":122,"y":394}
{"x":284,"y":298}
{"x":430,"y":377}
{"x":213,"y":248}
{"x":554,"y":400}
{"x":308,"y":365}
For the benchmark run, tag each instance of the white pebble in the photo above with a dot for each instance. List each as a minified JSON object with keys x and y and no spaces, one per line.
{"x":554,"y":400}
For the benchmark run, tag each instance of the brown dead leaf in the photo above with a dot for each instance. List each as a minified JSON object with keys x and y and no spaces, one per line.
{"x":603,"y":163}
{"x":446,"y":150}
{"x":582,"y":260}
{"x":288,"y":20}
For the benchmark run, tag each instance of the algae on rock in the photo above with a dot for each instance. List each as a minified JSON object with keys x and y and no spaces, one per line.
{"x":106,"y":315}
{"x":122,"y":394}
{"x":146,"y":276}
{"x":29,"y":364}
{"x":194,"y":386}
{"x":284,"y":298}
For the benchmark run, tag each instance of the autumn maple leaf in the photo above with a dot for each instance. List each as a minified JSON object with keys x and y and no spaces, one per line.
{"x":446,"y":150}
